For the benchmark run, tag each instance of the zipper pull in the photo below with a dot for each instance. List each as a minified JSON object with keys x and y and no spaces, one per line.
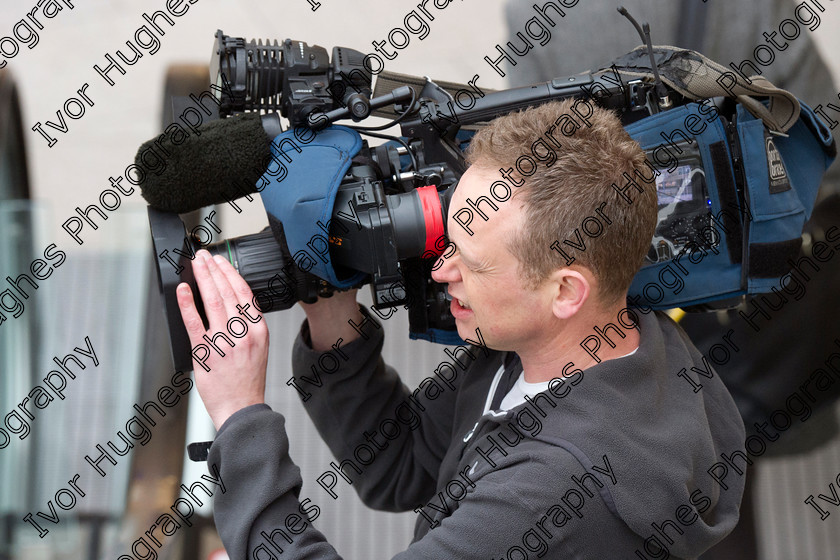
{"x":470,"y":434}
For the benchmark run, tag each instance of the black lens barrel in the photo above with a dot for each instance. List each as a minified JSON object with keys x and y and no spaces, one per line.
{"x":261,"y":261}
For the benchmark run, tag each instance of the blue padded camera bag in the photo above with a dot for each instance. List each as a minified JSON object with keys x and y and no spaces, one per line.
{"x":733,"y":199}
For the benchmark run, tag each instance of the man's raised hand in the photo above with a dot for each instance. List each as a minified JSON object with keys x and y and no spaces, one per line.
{"x":231,"y":375}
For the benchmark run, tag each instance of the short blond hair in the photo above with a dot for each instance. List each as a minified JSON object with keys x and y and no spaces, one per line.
{"x":558,"y":196}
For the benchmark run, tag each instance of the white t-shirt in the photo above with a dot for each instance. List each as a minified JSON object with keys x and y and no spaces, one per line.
{"x":521,"y":388}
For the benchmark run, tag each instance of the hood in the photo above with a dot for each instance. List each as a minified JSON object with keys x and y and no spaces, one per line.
{"x":661,"y":438}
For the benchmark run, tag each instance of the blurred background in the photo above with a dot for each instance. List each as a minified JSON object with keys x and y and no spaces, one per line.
{"x":106,"y":288}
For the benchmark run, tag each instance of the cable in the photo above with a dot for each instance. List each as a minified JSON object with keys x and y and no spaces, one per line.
{"x":414,"y":165}
{"x":393,"y":122}
{"x":645,"y":36}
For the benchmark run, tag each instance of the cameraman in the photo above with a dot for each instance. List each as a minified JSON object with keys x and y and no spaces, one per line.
{"x":547,"y":442}
{"x":775,"y":361}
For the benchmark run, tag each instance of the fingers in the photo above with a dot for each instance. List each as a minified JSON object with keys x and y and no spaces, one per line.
{"x":239,"y":285}
{"x":189,"y":313}
{"x":223,"y":291}
{"x":226,"y":292}
{"x":248,"y":306}
{"x":214,"y":305}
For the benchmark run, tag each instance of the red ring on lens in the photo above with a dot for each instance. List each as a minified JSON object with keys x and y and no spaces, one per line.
{"x":432,"y":216}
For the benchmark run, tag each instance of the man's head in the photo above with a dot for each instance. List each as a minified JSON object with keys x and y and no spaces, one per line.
{"x":564,"y":166}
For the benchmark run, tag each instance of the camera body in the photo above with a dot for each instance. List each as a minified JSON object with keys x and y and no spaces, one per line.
{"x":390,"y":207}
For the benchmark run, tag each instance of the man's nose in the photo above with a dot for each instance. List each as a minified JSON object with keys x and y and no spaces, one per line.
{"x":445,"y":271}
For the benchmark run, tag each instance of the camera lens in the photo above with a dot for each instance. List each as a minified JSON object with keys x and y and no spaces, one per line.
{"x":261,"y":261}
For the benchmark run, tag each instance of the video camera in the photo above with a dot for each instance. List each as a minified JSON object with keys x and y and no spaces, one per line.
{"x":387,"y":224}
{"x":398,"y":192}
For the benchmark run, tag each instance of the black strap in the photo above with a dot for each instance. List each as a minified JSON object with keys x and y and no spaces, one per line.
{"x":199,"y":450}
{"x":728,"y":200}
{"x":513,"y":367}
{"x":769,"y":260}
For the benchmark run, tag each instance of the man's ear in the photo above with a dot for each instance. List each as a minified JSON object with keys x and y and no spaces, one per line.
{"x":571,"y":288}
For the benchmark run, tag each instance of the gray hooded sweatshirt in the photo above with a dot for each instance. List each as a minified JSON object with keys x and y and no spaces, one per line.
{"x":612,"y":462}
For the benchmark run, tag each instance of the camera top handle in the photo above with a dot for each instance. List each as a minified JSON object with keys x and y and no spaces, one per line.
{"x":438,"y":117}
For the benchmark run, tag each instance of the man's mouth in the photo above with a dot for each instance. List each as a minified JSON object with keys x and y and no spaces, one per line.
{"x":460,"y":309}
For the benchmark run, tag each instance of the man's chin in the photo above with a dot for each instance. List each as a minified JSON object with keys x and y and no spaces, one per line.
{"x":467,"y":327}
{"x":464,"y":328}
